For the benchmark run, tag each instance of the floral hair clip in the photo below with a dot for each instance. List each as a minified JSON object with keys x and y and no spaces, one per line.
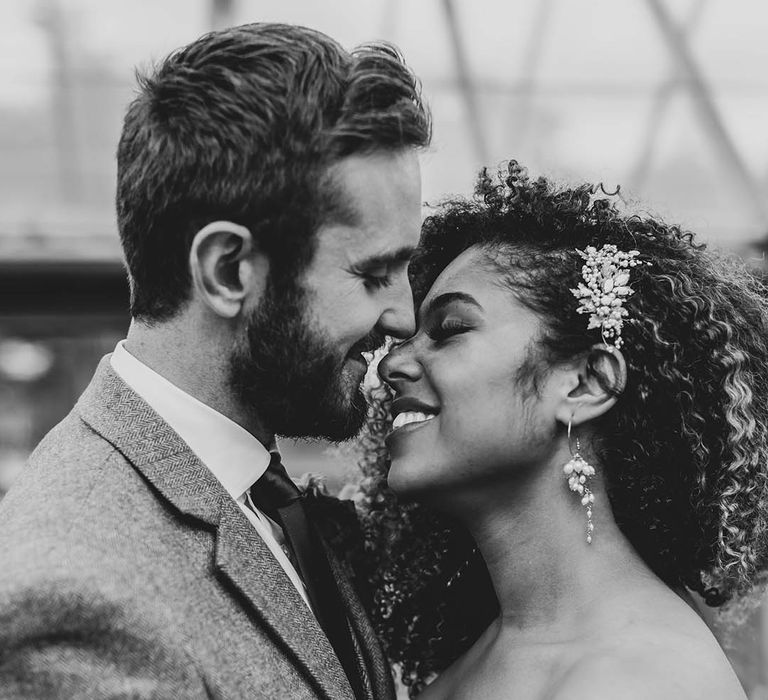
{"x":605,"y":289}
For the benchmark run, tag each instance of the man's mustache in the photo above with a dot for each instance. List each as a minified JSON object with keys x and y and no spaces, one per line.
{"x":373,"y":341}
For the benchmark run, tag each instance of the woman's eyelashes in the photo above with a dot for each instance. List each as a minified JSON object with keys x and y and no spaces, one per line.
{"x":448,"y":327}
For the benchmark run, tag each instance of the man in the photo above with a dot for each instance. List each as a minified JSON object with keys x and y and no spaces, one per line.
{"x":268,"y":201}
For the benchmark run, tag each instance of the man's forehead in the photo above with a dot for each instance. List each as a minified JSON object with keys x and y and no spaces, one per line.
{"x":360,"y":186}
{"x":355,"y":243}
{"x":373,"y":209}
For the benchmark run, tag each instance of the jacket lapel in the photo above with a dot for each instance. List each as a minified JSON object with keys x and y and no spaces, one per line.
{"x":125,"y":420}
{"x":244,"y":559}
{"x":375,"y":668}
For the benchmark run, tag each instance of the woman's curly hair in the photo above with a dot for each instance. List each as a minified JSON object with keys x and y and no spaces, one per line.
{"x":684,"y":450}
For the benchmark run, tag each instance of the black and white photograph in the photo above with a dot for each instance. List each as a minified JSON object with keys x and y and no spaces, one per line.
{"x":383,"y":349}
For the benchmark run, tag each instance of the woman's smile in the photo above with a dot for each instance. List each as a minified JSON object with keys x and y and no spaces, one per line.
{"x":410,"y":414}
{"x":410,"y":418}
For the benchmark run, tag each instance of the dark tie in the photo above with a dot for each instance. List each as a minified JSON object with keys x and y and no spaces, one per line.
{"x":277,"y":496}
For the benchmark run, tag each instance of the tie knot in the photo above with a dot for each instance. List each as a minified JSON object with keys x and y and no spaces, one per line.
{"x":274,"y":489}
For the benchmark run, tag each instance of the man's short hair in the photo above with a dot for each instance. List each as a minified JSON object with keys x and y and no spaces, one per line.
{"x":242,"y":125}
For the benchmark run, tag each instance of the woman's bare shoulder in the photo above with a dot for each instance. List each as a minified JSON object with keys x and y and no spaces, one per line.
{"x":652,"y":663}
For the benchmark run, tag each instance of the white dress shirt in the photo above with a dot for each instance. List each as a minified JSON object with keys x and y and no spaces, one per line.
{"x":234,"y":456}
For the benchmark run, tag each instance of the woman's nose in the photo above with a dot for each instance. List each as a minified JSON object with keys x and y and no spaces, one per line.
{"x":399,"y":365}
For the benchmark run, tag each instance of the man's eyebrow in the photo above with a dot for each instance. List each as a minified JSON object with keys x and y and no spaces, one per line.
{"x":443,"y":300}
{"x":399,"y":256}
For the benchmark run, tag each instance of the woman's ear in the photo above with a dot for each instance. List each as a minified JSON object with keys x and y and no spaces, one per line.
{"x":227,"y":268}
{"x":600,"y":378}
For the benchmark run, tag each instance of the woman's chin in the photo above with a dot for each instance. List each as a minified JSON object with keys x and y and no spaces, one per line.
{"x":407,"y":480}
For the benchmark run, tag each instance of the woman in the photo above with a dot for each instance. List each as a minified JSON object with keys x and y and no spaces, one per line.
{"x":582,"y":416}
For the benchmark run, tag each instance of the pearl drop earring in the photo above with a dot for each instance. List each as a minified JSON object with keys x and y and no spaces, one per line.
{"x":580,"y":473}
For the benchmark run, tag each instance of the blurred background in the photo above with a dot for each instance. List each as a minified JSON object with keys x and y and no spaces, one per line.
{"x":668,"y":98}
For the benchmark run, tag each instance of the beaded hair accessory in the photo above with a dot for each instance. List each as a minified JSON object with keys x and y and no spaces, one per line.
{"x":605,"y":289}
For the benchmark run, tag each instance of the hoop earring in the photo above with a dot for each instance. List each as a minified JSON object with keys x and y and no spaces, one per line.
{"x":579,"y":473}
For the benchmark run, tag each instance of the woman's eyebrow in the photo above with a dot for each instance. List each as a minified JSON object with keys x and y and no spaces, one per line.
{"x":443,"y":300}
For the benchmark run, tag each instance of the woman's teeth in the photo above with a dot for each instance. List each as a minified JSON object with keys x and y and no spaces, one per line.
{"x":410,"y":417}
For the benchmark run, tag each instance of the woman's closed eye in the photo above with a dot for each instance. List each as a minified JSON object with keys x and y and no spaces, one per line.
{"x":448,"y":328}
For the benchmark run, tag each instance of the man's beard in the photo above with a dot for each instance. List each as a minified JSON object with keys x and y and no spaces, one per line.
{"x":291,"y":377}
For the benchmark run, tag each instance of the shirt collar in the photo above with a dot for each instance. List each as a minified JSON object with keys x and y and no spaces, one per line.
{"x":234,"y":456}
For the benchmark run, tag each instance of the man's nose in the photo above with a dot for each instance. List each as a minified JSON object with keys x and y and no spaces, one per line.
{"x":398,"y":319}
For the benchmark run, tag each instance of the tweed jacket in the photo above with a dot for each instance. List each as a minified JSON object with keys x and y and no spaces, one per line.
{"x":127,"y":571}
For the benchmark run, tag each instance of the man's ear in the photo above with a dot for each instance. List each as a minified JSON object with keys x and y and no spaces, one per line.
{"x":599,"y":379}
{"x":227,"y":268}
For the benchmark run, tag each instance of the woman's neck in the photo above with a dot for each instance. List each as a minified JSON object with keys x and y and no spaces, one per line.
{"x":548,"y":580}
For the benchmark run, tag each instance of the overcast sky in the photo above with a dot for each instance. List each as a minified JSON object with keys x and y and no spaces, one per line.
{"x":569,"y":87}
